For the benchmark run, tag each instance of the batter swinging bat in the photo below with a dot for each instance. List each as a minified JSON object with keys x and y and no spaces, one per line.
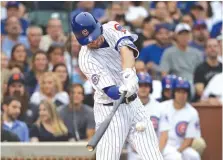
{"x":104,"y":125}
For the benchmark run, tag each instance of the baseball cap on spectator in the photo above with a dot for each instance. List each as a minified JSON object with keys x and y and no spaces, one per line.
{"x":197,"y":6}
{"x":162,"y":25}
{"x":182,"y":27}
{"x":12,"y":4}
{"x":199,"y":24}
{"x":17,"y":77}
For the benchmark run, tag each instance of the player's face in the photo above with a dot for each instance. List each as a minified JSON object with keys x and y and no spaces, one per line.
{"x":167,"y":93}
{"x":144,"y":90}
{"x":181,"y":96}
{"x":96,"y":43}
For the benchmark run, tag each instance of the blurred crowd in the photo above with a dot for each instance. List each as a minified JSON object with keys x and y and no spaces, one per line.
{"x":45,"y":96}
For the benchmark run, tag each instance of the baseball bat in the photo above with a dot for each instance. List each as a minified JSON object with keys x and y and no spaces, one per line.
{"x":104,"y":125}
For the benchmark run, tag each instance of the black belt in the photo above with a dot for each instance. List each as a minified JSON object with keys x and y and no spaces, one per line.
{"x":126,"y":100}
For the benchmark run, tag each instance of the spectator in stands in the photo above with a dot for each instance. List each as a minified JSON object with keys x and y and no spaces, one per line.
{"x":181,"y":59}
{"x":162,"y":13}
{"x":78,"y":117}
{"x":54,"y":35}
{"x":49,"y":126}
{"x":88,"y":6}
{"x":34,"y":34}
{"x":200,"y":35}
{"x":219,"y":38}
{"x":7,"y":136}
{"x":51,"y":89}
{"x":62,"y":72}
{"x":174,"y":11}
{"x":39,"y":66}
{"x":206,"y":70}
{"x":13,"y":29}
{"x":146,"y":37}
{"x":16,"y":88}
{"x":136,"y":13}
{"x":19,"y":55}
{"x":15,"y":67}
{"x":213,"y":91}
{"x":11,"y":110}
{"x":55,"y":55}
{"x":197,"y":12}
{"x":151,"y":55}
{"x":13,"y":10}
{"x":187,"y":18}
{"x":140,"y":66}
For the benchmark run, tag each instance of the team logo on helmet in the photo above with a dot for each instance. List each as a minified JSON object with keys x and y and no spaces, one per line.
{"x":155,"y":121}
{"x":85,"y":32}
{"x":181,"y":128}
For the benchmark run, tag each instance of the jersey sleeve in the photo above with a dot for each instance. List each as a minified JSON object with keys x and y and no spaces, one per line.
{"x":97,"y":75}
{"x":119,"y":36}
{"x":193,"y":130}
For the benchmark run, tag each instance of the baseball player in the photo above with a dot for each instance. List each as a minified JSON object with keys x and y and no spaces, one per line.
{"x":160,"y":122}
{"x":183,"y":119}
{"x":167,"y":86}
{"x":107,"y":58}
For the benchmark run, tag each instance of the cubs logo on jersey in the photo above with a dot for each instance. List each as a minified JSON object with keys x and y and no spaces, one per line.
{"x":118,"y":27}
{"x":181,"y":128}
{"x":155,"y":121}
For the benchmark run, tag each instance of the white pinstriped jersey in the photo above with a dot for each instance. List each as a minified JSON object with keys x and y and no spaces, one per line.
{"x":103,"y":66}
{"x":159,"y":120}
{"x":184,"y":123}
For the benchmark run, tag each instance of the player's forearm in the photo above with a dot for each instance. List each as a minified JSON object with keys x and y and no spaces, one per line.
{"x":163,"y":140}
{"x":186,"y":143}
{"x":128,"y":59}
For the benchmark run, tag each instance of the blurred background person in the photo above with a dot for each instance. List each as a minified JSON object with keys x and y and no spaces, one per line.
{"x":12,"y":9}
{"x":13,"y":30}
{"x":61,"y":70}
{"x":39,"y":65}
{"x":206,"y":70}
{"x":34,"y":34}
{"x":77,"y":116}
{"x":11,"y":107}
{"x":200,"y":35}
{"x":50,"y":88}
{"x":55,"y":34}
{"x":16,"y":88}
{"x":187,"y":18}
{"x":15,"y":67}
{"x":152,"y":54}
{"x":19,"y":55}
{"x":49,"y":126}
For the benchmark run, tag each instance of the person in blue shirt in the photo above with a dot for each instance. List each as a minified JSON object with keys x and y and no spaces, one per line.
{"x":13,"y":37}
{"x":13,"y":10}
{"x":151,"y":55}
{"x":11,"y":110}
{"x":216,"y":29}
{"x":88,"y":6}
{"x":200,"y":35}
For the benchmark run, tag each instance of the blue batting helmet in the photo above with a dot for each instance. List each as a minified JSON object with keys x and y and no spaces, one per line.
{"x":86,"y":28}
{"x":168,"y":81}
{"x":145,"y":78}
{"x":181,"y":83}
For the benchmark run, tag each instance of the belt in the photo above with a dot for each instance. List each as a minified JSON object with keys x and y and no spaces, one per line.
{"x":127,"y":100}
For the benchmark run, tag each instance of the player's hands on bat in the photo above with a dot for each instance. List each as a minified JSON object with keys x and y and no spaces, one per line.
{"x":130,"y":82}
